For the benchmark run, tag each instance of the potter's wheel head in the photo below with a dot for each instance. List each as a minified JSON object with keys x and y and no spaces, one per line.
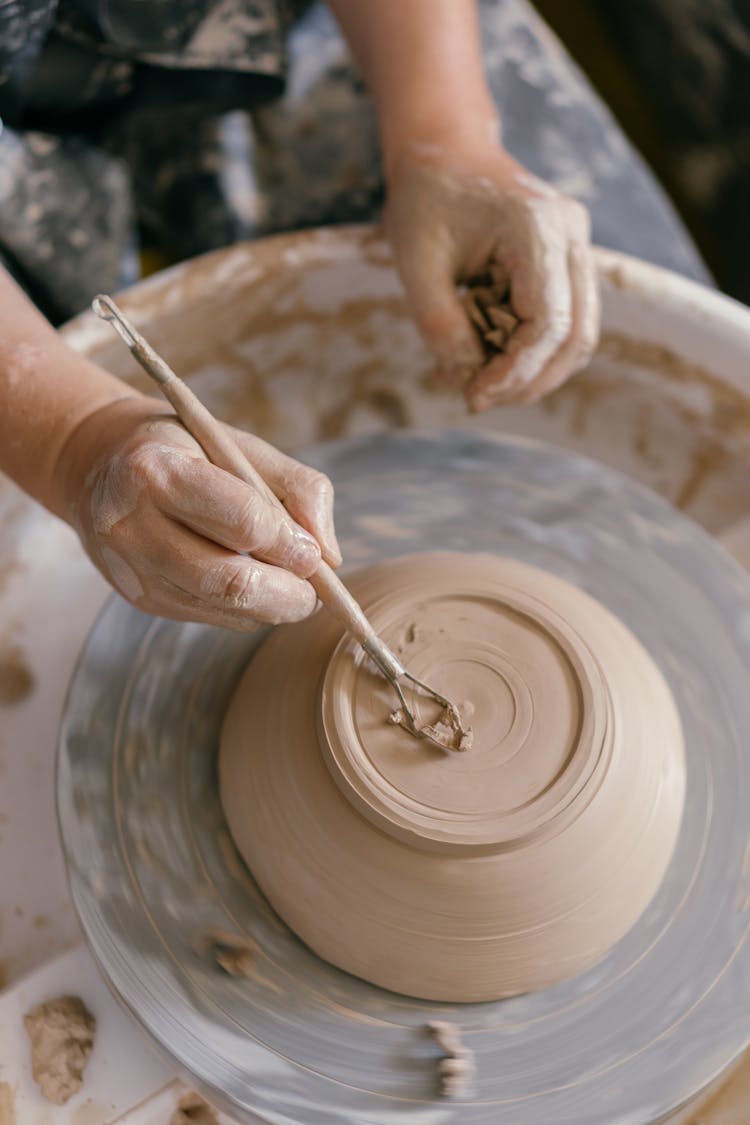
{"x":458,"y":877}
{"x":151,"y":862}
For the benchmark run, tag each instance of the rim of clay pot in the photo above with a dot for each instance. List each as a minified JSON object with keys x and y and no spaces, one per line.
{"x":386,"y":802}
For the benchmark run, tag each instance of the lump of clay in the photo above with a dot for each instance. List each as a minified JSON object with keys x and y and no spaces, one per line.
{"x":62,"y":1038}
{"x":457,"y":1067}
{"x":471,"y":876}
{"x":487,"y":304}
{"x":232,"y":952}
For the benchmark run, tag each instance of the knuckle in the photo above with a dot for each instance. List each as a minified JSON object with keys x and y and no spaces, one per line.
{"x":236,"y":586}
{"x":146,"y":465}
{"x":113,"y":497}
{"x":559,"y":325}
{"x":579,"y":220}
{"x":305,"y":483}
{"x":546,"y":214}
{"x":314,"y":483}
{"x":251,"y":522}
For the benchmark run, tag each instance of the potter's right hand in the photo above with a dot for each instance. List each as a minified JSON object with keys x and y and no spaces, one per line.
{"x":181,"y":538}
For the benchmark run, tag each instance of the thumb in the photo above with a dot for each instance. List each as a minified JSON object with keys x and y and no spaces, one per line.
{"x":428,"y":276}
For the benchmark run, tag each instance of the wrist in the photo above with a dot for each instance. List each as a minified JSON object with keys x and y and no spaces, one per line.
{"x":103,"y":425}
{"x":45,"y":390}
{"x":428,"y":135}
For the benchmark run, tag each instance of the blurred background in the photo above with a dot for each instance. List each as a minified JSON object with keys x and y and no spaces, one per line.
{"x":676,"y":74}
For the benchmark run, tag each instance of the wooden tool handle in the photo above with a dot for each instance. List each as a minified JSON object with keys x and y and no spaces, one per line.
{"x":225,"y":453}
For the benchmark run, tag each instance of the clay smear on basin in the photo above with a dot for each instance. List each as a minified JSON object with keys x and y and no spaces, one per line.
{"x":458,"y":876}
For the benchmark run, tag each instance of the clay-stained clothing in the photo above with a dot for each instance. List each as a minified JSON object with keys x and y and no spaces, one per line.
{"x":110,"y":112}
{"x":183,"y":125}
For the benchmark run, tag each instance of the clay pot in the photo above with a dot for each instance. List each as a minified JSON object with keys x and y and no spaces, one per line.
{"x":458,"y":876}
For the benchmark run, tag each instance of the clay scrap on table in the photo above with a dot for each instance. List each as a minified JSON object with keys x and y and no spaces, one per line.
{"x":193,"y":1110}
{"x":487,"y":305}
{"x":62,"y":1038}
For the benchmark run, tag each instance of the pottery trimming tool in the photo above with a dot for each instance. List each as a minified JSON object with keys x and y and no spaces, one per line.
{"x":447,"y":730}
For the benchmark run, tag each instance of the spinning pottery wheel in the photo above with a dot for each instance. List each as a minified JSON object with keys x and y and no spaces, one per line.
{"x":152,"y":866}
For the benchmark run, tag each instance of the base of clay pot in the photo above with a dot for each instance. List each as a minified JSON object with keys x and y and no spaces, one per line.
{"x":458,"y":877}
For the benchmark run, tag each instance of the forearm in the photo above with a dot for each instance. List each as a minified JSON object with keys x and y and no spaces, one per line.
{"x":460,"y":209}
{"x":46,"y":390}
{"x":422,"y":61}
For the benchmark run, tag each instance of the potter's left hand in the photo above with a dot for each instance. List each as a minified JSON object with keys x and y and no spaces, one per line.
{"x":452,"y":214}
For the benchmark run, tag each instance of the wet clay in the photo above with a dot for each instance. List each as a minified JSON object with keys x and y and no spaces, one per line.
{"x":457,"y":1067}
{"x":487,"y":304}
{"x":62,"y":1038}
{"x":232,"y":952}
{"x":458,"y":877}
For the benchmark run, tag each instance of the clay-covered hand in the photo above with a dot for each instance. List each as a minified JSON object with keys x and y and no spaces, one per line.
{"x":181,"y":538}
{"x":457,"y":216}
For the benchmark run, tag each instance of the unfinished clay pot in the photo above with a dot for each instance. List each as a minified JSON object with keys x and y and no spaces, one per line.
{"x":458,"y":876}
